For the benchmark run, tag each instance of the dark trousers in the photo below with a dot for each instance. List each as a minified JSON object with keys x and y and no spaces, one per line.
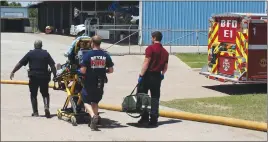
{"x":34,"y":84}
{"x":151,"y":81}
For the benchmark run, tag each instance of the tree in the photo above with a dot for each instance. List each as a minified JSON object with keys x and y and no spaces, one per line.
{"x":4,"y":3}
{"x":14,"y":4}
{"x":32,"y":12}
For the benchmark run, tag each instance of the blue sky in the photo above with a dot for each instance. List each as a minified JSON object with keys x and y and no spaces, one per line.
{"x":24,"y":3}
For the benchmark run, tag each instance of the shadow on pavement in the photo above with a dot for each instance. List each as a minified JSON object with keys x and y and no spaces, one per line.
{"x":170,"y":121}
{"x":104,"y":123}
{"x":108,"y":123}
{"x":51,"y":116}
{"x":239,"y":89}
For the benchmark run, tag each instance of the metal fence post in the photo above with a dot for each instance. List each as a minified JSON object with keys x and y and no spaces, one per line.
{"x":34,"y":23}
{"x":197,"y":41}
{"x":170,"y":43}
{"x":129,"y":39}
{"x":141,"y":40}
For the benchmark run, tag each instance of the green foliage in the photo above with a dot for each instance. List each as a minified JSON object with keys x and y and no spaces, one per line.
{"x":15,"y":4}
{"x":248,"y":107}
{"x":4,"y":3}
{"x":193,"y":60}
{"x":33,"y":12}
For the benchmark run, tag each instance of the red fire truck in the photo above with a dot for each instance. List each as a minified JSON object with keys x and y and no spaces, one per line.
{"x":237,"y":48}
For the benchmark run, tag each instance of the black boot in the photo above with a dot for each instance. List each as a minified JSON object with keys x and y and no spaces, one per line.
{"x":154,"y":112}
{"x":34,"y":106}
{"x":46,"y":105}
{"x":153,"y":121}
{"x":144,"y":118}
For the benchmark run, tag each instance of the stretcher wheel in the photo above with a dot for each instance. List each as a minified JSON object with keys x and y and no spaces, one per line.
{"x":73,"y":121}
{"x":59,"y":115}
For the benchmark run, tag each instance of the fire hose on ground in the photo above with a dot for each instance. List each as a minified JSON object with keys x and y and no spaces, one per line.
{"x":259,"y":126}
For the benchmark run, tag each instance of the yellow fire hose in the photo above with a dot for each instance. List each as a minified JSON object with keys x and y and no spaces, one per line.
{"x":259,"y":126}
{"x":19,"y":82}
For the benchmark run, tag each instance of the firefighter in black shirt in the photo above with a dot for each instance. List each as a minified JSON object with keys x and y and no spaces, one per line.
{"x":39,"y":75}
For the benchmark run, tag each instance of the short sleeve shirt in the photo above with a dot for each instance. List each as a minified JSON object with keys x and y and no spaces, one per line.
{"x":96,"y":62}
{"x":38,"y":60}
{"x":159,"y":57}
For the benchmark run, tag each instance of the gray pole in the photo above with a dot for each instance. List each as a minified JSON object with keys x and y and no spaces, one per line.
{"x":114,"y":24}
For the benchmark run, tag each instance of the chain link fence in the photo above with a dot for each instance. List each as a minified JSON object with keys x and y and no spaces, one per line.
{"x":135,"y":41}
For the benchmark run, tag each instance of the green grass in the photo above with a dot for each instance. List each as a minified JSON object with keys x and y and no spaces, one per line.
{"x":194,"y":60}
{"x":248,"y":107}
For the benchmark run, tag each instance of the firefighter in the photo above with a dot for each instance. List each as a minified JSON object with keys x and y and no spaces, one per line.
{"x":154,"y":67}
{"x":39,"y":75}
{"x":215,"y":48}
{"x":95,"y":64}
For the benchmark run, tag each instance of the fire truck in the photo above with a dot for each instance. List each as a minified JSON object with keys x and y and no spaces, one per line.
{"x":237,"y":48}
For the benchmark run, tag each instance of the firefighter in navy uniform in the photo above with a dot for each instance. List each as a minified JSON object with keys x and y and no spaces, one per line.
{"x":94,"y":66}
{"x":39,"y":75}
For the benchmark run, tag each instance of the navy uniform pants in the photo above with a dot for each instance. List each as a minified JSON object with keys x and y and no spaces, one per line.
{"x":151,"y":81}
{"x":34,"y":84}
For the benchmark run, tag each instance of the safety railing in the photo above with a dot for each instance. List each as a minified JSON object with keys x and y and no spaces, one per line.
{"x":172,"y":38}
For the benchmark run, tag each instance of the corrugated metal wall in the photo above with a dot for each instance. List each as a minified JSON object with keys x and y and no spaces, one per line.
{"x":188,"y":16}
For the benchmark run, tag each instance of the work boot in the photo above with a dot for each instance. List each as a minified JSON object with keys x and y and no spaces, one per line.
{"x":144,"y":118}
{"x":93,"y":123}
{"x":154,"y":112}
{"x":35,"y":114}
{"x":153,"y":121}
{"x":34,"y":106}
{"x":46,"y":106}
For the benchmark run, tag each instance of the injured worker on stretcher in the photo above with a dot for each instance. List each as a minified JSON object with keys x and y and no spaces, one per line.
{"x":75,"y":51}
{"x":74,"y":56}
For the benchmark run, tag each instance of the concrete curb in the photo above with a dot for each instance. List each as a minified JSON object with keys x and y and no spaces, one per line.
{"x":259,"y":126}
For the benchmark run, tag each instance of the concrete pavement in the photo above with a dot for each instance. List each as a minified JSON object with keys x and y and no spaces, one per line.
{"x":180,"y":82}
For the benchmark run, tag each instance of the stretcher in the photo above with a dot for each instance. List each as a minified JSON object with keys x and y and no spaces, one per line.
{"x":69,"y":80}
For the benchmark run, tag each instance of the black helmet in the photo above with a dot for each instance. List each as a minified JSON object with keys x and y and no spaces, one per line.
{"x":38,"y":44}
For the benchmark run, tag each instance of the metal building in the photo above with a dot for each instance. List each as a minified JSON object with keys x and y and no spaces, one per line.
{"x":183,"y":23}
{"x":14,"y":19}
{"x":60,"y":14}
{"x":186,"y":22}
